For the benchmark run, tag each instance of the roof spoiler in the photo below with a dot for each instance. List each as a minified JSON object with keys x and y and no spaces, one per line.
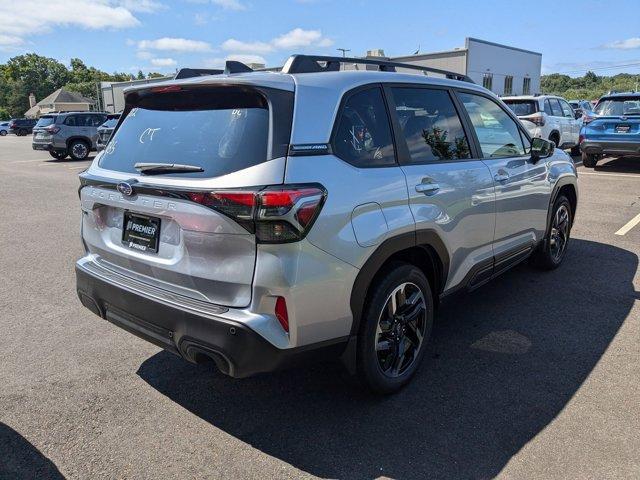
{"x":313,"y":64}
{"x":231,"y":66}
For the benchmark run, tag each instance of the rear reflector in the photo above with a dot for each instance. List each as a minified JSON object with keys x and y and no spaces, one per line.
{"x":281,"y":313}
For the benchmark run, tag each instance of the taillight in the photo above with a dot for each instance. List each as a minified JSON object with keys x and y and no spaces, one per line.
{"x":53,"y":129}
{"x":587,"y":119}
{"x":580,"y":139}
{"x":275,"y":215}
{"x":281,"y":313}
{"x":539,"y":119}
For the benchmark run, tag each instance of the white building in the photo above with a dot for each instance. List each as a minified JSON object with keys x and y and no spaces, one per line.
{"x":502,"y":69}
{"x":112,"y":96}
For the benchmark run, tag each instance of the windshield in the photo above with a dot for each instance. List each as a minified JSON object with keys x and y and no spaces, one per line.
{"x":522,"y":107}
{"x":618,"y":106}
{"x":45,"y":121}
{"x":220,"y":141}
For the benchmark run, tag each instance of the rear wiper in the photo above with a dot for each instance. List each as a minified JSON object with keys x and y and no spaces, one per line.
{"x":151,"y":168}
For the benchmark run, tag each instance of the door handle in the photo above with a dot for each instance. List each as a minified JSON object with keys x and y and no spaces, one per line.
{"x":501,"y":177}
{"x":427,"y":188}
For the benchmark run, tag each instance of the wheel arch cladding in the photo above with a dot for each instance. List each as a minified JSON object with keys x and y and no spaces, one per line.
{"x":424,"y":249}
{"x":82,"y":139}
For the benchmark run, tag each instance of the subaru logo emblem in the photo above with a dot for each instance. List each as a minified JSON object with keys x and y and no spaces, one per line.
{"x":125,"y":189}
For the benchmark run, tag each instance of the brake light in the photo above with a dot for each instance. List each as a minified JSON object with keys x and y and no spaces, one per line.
{"x":580,"y":139}
{"x":587,"y":119}
{"x":275,"y":215}
{"x":281,"y":313}
{"x":539,"y":119}
{"x":53,"y":129}
{"x":169,"y":89}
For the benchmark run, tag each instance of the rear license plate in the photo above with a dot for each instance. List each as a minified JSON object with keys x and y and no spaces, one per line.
{"x":141,"y":232}
{"x":623,"y":128}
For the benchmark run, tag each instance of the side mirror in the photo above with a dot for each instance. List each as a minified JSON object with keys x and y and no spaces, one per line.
{"x":578,"y":114}
{"x":541,"y":148}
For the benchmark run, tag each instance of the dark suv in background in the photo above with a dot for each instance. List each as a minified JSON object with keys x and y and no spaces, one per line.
{"x":73,"y":134}
{"x":22,"y":126}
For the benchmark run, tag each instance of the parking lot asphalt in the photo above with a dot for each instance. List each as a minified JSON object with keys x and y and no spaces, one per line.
{"x":535,"y":375}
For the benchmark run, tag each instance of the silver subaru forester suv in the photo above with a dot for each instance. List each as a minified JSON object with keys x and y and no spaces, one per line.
{"x":258,"y":219}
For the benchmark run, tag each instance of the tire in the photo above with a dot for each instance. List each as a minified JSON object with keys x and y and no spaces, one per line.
{"x":79,"y":149}
{"x":575,"y":150}
{"x":589,"y":160}
{"x":58,"y":154}
{"x":3,"y":133}
{"x":22,"y":132}
{"x":379,"y":365}
{"x":555,"y":138}
{"x":554,"y":248}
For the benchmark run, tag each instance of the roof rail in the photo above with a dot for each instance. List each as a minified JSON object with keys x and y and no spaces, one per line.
{"x":309,"y":64}
{"x":196,"y":72}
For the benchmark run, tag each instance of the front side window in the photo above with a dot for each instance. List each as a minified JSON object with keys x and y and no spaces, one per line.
{"x":430,"y":125}
{"x":508,"y":85}
{"x":363,"y":134}
{"x":566,"y":108}
{"x":497,"y":132}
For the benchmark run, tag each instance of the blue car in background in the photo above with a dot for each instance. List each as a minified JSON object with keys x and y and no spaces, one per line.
{"x":615,"y":130}
{"x":4,"y":128}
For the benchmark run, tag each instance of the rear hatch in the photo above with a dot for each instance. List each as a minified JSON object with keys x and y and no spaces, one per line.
{"x":40,"y":133}
{"x":183,"y":222}
{"x":525,"y":110}
{"x":618,"y":119}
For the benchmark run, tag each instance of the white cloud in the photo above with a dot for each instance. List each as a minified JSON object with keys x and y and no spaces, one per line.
{"x":628,"y":44}
{"x":143,"y":6}
{"x":230,"y":4}
{"x":43,"y":16}
{"x":296,"y":38}
{"x":301,"y":38}
{"x":144,"y":55}
{"x":163,"y":62}
{"x":10,"y":41}
{"x":246,"y":47}
{"x":174,"y":45}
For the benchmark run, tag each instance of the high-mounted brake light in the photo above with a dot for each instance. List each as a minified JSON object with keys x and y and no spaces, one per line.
{"x":275,"y":215}
{"x":168,"y":89}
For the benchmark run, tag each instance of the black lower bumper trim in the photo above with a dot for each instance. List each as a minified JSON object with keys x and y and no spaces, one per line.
{"x":237,"y":350}
{"x":610,"y":148}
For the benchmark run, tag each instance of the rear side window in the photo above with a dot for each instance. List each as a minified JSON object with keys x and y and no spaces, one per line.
{"x":71,"y":121}
{"x":430,"y":125}
{"x":363,"y":134}
{"x":522,"y":108}
{"x":497,"y":132}
{"x":556,"y":109}
{"x":217,"y":130}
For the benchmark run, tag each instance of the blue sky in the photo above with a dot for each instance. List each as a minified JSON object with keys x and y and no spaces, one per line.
{"x":162,"y":35}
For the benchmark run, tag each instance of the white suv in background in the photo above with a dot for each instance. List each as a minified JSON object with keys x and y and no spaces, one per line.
{"x":548,"y":117}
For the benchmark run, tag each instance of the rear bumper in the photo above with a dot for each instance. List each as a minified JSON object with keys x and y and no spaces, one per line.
{"x":610,"y":147}
{"x":189,"y":332}
{"x":42,"y":146}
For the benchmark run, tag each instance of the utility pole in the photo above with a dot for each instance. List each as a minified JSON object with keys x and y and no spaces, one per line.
{"x":344,"y":51}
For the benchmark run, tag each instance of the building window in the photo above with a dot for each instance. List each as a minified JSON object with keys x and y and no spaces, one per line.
{"x":487,"y":80}
{"x":526,"y":86}
{"x":508,"y":85}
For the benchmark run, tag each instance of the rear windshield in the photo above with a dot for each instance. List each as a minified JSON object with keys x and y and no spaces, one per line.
{"x":219,"y":134}
{"x":522,"y":107}
{"x":45,"y":121}
{"x":618,"y":106}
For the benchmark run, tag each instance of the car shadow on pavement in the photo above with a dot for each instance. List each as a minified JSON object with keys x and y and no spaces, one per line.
{"x":503,"y":363}
{"x":619,"y":165}
{"x":20,"y":459}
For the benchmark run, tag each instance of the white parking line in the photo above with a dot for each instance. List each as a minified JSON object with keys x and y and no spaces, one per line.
{"x":632,"y":223}
{"x":27,"y":161}
{"x":84,"y":167}
{"x":580,"y":173}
